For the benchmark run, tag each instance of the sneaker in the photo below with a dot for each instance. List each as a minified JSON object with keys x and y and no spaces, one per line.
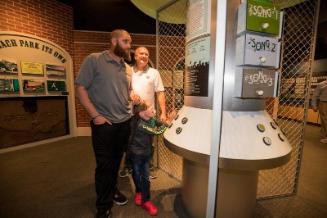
{"x":150,"y":208}
{"x":119,"y":198}
{"x":103,"y":214}
{"x":138,"y":198}
{"x":324,"y":140}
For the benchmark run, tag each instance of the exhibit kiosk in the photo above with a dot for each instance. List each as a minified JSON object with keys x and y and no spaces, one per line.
{"x":249,"y":139}
{"x":223,"y":132}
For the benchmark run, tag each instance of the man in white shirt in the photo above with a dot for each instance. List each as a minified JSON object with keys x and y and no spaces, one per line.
{"x":147,"y":83}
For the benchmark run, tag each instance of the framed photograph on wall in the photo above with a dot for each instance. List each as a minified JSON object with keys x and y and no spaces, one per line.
{"x":32,"y":68}
{"x":9,"y":86}
{"x":55,"y":71}
{"x":56,"y":86}
{"x":33,"y":86}
{"x":8,"y":66}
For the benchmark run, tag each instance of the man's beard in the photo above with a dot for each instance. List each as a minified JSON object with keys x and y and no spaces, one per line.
{"x":120,"y":52}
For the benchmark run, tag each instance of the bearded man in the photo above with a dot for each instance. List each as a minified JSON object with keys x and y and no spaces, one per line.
{"x":103,"y":87}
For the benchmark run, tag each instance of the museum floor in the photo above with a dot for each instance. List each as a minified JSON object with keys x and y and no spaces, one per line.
{"x":56,"y":181}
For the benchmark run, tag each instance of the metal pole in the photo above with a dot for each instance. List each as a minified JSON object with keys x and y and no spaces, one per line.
{"x":219,"y":13}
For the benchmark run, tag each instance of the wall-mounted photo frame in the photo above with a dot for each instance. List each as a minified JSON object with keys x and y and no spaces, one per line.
{"x":9,"y":86}
{"x":55,"y":71}
{"x":56,"y":86}
{"x":33,"y":86}
{"x":32,"y":68}
{"x":8,"y":66}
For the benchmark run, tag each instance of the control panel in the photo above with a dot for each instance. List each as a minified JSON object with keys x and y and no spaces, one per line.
{"x":259,"y":16}
{"x":258,"y":49}
{"x":256,"y":83}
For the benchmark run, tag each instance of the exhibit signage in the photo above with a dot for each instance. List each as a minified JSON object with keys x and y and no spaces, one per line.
{"x":197,"y":67}
{"x":28,"y":64}
{"x":9,"y":42}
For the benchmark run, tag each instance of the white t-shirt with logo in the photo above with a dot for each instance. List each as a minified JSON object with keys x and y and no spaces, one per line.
{"x":146,"y":84}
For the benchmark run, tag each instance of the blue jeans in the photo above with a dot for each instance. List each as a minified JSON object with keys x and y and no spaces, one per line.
{"x":141,"y":175}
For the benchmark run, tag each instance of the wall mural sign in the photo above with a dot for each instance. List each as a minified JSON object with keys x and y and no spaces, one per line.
{"x":27,"y":62}
{"x":32,"y":44}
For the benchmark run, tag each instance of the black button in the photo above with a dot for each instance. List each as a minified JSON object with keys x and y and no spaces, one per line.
{"x":261,"y":127}
{"x":267,"y":141}
{"x":273,"y":125}
{"x":281,"y":137}
{"x":275,"y":122}
{"x":178,"y":130}
{"x":184,"y":120}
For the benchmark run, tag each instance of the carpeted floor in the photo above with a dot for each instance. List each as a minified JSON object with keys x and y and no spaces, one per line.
{"x":56,"y":180}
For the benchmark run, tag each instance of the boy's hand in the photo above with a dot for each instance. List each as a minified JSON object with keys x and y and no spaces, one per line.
{"x":163,"y":117}
{"x":136,"y":99}
{"x":148,"y":113}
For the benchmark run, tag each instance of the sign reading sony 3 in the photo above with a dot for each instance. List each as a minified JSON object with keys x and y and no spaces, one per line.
{"x":256,"y":83}
{"x":259,"y":78}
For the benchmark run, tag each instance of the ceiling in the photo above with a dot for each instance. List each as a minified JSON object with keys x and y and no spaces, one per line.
{"x":106,"y":15}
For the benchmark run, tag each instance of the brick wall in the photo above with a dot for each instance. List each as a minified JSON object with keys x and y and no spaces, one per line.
{"x":86,"y":42}
{"x":53,"y":20}
{"x":48,"y":19}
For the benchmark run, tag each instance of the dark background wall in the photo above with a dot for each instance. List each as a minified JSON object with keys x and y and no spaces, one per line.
{"x":49,"y":19}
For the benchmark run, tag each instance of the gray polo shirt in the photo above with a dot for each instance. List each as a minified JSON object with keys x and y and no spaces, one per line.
{"x":108,"y":84}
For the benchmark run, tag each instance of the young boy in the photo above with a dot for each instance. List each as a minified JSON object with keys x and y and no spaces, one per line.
{"x":144,"y":126}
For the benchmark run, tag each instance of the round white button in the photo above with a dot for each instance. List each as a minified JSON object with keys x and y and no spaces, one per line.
{"x":260,"y":92}
{"x":267,"y":140}
{"x":265,"y":25}
{"x":262,"y":59}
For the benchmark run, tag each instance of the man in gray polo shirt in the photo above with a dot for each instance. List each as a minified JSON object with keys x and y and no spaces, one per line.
{"x":103,"y":87}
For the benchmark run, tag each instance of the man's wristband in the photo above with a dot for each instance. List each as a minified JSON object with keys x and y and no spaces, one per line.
{"x":96,"y":116}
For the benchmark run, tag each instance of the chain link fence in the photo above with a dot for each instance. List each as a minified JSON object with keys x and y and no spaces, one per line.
{"x":171,"y":53}
{"x":289,"y":109}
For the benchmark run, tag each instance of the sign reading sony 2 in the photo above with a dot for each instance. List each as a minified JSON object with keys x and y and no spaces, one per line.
{"x":261,"y":45}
